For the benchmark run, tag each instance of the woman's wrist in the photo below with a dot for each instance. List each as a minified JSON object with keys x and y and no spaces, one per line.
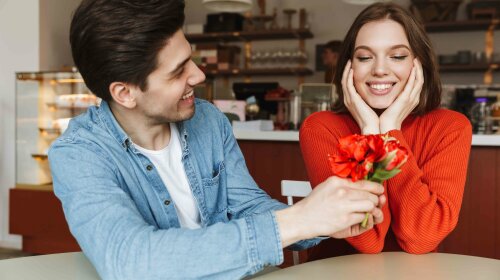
{"x":367,"y":130}
{"x":388,"y":126}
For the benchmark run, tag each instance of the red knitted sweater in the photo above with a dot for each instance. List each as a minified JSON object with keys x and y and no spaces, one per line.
{"x":424,"y":199}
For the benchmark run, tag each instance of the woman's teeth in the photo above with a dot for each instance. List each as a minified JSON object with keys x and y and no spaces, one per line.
{"x":380,"y":86}
{"x":187,"y":95}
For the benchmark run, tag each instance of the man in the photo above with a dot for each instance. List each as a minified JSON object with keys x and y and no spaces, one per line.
{"x":330,"y":55}
{"x":152,"y":181}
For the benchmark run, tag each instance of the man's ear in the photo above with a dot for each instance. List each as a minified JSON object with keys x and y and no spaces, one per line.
{"x":123,"y":94}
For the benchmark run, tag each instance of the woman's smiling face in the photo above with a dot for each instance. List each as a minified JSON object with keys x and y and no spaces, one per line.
{"x":382,"y":62}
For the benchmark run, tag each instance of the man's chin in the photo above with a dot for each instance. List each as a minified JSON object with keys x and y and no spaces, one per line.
{"x":188,"y":114}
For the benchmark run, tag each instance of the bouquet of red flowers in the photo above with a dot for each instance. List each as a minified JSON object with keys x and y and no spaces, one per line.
{"x":368,"y":157}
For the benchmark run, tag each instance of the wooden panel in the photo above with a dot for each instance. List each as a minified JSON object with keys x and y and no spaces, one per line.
{"x":38,"y":217}
{"x":477,"y":231}
{"x":269,"y":162}
{"x":497,"y":208}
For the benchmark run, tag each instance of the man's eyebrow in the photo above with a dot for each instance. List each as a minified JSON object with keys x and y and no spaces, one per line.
{"x":392,"y":48}
{"x":180,"y":65}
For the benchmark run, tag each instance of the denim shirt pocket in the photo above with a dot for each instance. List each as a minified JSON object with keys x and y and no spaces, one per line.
{"x":214,"y":189}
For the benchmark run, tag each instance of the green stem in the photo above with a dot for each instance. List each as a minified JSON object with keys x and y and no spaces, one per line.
{"x":364,"y":223}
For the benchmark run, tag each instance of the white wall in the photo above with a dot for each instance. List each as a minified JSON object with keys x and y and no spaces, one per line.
{"x":19,"y":51}
{"x":33,"y":37}
{"x":55,"y":19}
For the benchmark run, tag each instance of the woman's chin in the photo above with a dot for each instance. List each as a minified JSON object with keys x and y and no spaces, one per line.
{"x":379,"y":105}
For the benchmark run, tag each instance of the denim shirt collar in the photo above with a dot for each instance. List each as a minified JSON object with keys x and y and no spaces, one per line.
{"x":108,"y":119}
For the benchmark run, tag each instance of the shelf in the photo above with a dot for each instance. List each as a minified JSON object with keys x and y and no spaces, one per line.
{"x":468,"y":67}
{"x":55,"y":106}
{"x":49,"y":130}
{"x":279,"y":34}
{"x":40,"y":157}
{"x":57,"y":77}
{"x":289,"y":71}
{"x":461,"y":25}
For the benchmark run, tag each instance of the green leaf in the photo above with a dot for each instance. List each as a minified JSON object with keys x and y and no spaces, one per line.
{"x":381,"y":174}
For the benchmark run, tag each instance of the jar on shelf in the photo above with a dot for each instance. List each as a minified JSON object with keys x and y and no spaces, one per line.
{"x":481,"y":116}
{"x":495,"y":115}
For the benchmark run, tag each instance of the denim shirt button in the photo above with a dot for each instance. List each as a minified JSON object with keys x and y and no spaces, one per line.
{"x":166,"y":202}
{"x":149,"y":167}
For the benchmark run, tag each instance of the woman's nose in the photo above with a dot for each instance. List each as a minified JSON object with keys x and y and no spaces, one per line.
{"x":380,"y":68}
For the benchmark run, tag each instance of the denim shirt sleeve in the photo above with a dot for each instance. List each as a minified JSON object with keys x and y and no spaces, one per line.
{"x":122,"y":245}
{"x":244,"y":196}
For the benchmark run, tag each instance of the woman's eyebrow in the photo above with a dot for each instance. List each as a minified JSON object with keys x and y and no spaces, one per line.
{"x":363,"y":47}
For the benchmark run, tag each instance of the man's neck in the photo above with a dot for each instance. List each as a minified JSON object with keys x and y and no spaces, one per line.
{"x":142,"y":130}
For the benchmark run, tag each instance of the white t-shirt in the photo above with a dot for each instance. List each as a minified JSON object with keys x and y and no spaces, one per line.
{"x":168,"y":162}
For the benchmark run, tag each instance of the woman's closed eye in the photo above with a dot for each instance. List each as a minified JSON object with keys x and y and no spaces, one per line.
{"x":399,"y":57}
{"x":363,"y":58}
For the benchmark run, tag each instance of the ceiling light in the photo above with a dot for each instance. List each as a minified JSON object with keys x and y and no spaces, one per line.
{"x":231,"y":6}
{"x":364,"y":2}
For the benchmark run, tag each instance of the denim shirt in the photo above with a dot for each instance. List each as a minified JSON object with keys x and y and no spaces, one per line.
{"x":125,"y":221}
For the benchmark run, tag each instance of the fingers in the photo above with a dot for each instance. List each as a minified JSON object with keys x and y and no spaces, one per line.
{"x":368,"y":186}
{"x":378,"y":215}
{"x":362,"y":195}
{"x":419,"y":78}
{"x":420,"y":72}
{"x":345,"y":75}
{"x":360,"y":206}
{"x":356,"y":218}
{"x":350,"y":83}
{"x":368,"y":189}
{"x":382,"y":200}
{"x":410,"y":84}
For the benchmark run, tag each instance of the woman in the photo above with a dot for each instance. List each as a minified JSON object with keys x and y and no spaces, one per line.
{"x":390,"y":84}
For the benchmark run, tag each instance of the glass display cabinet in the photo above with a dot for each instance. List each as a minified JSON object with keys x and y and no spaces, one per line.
{"x":45,"y":102}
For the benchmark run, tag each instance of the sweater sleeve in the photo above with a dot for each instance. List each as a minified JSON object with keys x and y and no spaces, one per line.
{"x":427,"y":195}
{"x":318,"y":138}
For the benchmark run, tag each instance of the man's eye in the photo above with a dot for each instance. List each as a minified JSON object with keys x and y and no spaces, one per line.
{"x":181,"y":71}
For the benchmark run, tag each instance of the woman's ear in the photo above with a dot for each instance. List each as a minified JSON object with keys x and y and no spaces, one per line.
{"x":123,"y":94}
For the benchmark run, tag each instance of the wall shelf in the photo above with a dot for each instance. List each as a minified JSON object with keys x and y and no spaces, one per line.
{"x":243,"y":36}
{"x":461,"y":25}
{"x":289,"y":71}
{"x":468,"y":67}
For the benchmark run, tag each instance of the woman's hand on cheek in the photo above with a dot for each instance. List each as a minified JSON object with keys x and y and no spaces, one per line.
{"x":394,"y":115}
{"x":366,"y":118}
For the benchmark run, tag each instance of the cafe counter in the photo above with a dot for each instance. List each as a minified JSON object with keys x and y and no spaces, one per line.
{"x":477,"y":140}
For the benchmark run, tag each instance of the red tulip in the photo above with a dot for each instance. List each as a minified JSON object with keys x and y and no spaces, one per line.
{"x":368,"y":157}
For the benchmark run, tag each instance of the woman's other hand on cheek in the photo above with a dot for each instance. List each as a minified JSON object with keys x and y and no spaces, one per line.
{"x":394,"y":115}
{"x":365,"y":117}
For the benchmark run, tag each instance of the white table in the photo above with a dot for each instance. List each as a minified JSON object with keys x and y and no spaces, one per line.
{"x":64,"y":266}
{"x":393,"y":265}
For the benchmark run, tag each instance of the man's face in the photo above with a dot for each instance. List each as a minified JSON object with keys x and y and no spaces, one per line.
{"x":329,"y":57}
{"x":170,"y":96}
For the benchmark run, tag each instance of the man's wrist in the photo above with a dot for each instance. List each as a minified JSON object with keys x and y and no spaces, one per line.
{"x":289,"y":226}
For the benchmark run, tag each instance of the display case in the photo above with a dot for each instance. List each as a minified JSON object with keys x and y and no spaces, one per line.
{"x":45,"y":102}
